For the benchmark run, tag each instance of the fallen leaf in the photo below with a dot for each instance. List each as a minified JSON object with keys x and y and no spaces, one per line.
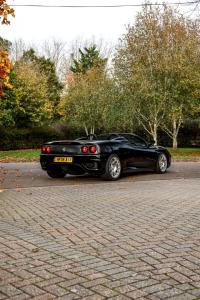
{"x":35,"y":250}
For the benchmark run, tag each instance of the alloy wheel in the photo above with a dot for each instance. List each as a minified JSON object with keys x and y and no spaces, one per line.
{"x":115,"y":167}
{"x":162,"y":163}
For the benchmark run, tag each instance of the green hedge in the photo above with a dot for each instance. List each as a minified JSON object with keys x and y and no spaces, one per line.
{"x":13,"y":139}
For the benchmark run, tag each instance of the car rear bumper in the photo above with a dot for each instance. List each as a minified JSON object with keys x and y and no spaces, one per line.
{"x":94,"y":164}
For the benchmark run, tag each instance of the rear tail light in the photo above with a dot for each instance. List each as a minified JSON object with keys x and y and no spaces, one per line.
{"x":93,"y":149}
{"x":84,"y":149}
{"x":89,"y":149}
{"x":46,"y":149}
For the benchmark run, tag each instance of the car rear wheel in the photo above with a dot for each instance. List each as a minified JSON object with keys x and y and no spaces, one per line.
{"x":113,"y":168}
{"x":58,"y":173}
{"x":161,"y":165}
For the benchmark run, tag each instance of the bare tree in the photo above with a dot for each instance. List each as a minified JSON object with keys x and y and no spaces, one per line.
{"x":56,"y":50}
{"x":17,"y":49}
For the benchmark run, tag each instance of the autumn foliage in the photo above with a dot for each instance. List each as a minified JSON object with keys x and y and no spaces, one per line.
{"x":5,"y":63}
{"x":5,"y":67}
{"x":5,"y":11}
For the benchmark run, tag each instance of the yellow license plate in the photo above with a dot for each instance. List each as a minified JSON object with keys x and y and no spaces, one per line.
{"x":63,"y":159}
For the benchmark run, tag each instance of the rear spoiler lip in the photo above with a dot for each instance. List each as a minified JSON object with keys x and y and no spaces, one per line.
{"x":70,"y":143}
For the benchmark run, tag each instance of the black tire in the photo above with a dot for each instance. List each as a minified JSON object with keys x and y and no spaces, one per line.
{"x":161,"y":164}
{"x":113,"y":168}
{"x":58,"y":173}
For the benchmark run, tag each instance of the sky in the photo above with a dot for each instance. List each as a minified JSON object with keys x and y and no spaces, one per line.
{"x":34,"y":25}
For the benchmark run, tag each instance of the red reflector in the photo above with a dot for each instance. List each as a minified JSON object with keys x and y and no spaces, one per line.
{"x":93,"y":149}
{"x":48,"y":149}
{"x":84,"y":149}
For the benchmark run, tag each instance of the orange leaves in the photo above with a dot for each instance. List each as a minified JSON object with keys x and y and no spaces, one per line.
{"x":8,"y":85}
{"x":5,"y":67}
{"x":5,"y":11}
{"x":5,"y":63}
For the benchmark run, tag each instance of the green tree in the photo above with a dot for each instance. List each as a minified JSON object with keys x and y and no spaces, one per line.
{"x":180,"y":68}
{"x":5,"y":45}
{"x":46,"y":67}
{"x":84,"y":101}
{"x":30,"y":90}
{"x":8,"y":106}
{"x":136,"y":68}
{"x":93,"y":101}
{"x":89,"y":58}
{"x":153,"y":67}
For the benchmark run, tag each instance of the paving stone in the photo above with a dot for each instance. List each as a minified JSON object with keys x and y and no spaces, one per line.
{"x":95,"y":282}
{"x":185,"y":286}
{"x":195,"y":292}
{"x":44,"y":297}
{"x":80,"y":290}
{"x":155,"y":288}
{"x":21,"y":296}
{"x":123,"y":275}
{"x":93,"y":297}
{"x":183,"y":297}
{"x":136,"y":294}
{"x":167,"y":293}
{"x":65,"y":274}
{"x":34,"y":280}
{"x":196,"y":284}
{"x":70,"y":296}
{"x":102,"y":290}
{"x":55,"y":290}
{"x":125,"y":289}
{"x":9,"y":290}
{"x":120,"y":241}
{"x":32,"y":290}
{"x":72,"y":282}
{"x":179,"y":277}
{"x":120,"y":297}
{"x":144,"y":283}
{"x":48,"y":282}
{"x":45,"y":274}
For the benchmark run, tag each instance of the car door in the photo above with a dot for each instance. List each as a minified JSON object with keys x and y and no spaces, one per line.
{"x":141,"y":155}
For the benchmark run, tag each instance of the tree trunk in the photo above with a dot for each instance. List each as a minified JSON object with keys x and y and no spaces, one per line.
{"x":86,"y":130}
{"x":155,"y":135}
{"x":175,"y":134}
{"x":155,"y":139}
{"x":175,"y":144}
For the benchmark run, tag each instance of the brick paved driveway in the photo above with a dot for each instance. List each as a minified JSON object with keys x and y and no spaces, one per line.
{"x":31,"y":175}
{"x":122,"y":240}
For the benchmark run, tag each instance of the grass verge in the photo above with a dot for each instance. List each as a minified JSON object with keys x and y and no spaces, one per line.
{"x":28,"y":155}
{"x":185,"y":153}
{"x":31,"y":155}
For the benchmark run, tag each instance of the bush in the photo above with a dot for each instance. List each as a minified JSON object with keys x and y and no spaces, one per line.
{"x":13,"y":139}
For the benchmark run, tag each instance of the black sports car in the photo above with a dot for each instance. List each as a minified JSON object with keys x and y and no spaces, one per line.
{"x":106,"y":155}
